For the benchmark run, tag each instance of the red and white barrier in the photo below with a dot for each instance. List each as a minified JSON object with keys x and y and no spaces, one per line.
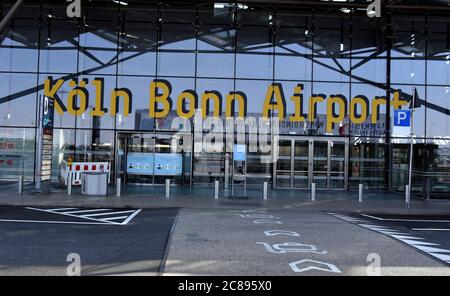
{"x":76,"y":169}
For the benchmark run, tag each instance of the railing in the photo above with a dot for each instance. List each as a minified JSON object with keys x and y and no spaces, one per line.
{"x":425,"y":184}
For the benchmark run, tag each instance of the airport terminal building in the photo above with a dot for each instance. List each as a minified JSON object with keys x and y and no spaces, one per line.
{"x":324,"y":80}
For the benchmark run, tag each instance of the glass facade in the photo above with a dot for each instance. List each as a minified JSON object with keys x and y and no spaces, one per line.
{"x":225,"y":47}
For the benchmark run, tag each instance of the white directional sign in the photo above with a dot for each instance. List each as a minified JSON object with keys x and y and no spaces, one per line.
{"x":308,"y":264}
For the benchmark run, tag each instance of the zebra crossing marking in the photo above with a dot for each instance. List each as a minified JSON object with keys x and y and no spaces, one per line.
{"x":413,"y":241}
{"x":86,"y":214}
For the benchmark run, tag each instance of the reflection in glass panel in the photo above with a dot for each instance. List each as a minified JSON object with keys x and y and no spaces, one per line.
{"x":94,"y":145}
{"x":177,"y":51}
{"x":17,"y":153}
{"x":63,"y":150}
{"x":59,"y":41}
{"x":138,"y":45}
{"x":216,"y":51}
{"x":98,"y":46}
{"x":254,"y":57}
{"x":419,"y":112}
{"x":19,"y":45}
{"x":367,"y":161}
{"x":438,"y":63}
{"x":138,"y":119}
{"x":292,"y":54}
{"x":438,"y":123}
{"x":86,"y":120}
{"x":16,"y":108}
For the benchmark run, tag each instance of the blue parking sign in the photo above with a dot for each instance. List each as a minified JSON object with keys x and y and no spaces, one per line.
{"x":402,"y":118}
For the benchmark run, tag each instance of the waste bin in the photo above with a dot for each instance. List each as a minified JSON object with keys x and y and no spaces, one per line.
{"x":94,"y":183}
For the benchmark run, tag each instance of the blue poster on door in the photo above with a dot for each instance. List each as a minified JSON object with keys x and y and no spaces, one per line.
{"x":140,"y":163}
{"x":168,"y":164}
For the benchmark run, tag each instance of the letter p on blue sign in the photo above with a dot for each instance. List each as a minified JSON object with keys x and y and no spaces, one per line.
{"x":402,"y":118}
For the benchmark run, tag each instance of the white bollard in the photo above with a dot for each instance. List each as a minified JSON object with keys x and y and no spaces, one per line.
{"x":313,"y":191}
{"x":361,"y":192}
{"x":407,"y":196}
{"x":69,"y":184}
{"x":20,"y":184}
{"x":118,"y":186}
{"x":265,"y":191}
{"x":216,"y":189}
{"x":167,"y":188}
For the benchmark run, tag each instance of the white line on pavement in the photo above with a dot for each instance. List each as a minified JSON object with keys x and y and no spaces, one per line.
{"x":131,"y":217}
{"x":108,"y":213}
{"x":406,"y":220}
{"x":55,"y":222}
{"x":62,"y":209}
{"x":70,"y":215}
{"x":431,"y":229}
{"x":87,"y":211}
{"x":114,"y":218}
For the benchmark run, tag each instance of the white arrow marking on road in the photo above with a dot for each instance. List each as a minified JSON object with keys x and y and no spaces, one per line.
{"x":291,"y":247}
{"x":328,"y":267}
{"x":280,"y":232}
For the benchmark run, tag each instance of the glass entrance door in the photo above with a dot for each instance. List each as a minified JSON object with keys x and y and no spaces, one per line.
{"x":302,"y":161}
{"x":151,"y":158}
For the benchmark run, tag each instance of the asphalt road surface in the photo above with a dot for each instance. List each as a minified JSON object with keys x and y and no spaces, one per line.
{"x":43,"y":241}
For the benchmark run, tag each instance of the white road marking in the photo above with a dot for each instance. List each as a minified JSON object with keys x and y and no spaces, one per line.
{"x":114,"y":218}
{"x":406,"y":220}
{"x":431,"y":229}
{"x":70,"y":215}
{"x":415,"y":242}
{"x":62,"y":209}
{"x":328,"y":267}
{"x":87,"y":211}
{"x":131,"y":217}
{"x":54,"y":222}
{"x":108,"y":213}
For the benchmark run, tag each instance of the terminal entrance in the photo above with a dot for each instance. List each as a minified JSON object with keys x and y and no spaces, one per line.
{"x":303,"y":160}
{"x":151,"y":158}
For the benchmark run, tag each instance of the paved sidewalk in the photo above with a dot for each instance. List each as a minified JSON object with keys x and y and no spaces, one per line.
{"x":202,"y":198}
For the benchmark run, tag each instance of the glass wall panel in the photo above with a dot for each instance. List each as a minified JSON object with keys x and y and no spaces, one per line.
{"x":63,"y":150}
{"x":408,"y":50}
{"x":293,"y":57}
{"x":138,"y":119}
{"x":59,"y":43}
{"x":369,"y":128}
{"x":176,"y":56}
{"x":138,"y":46}
{"x":438,"y":123}
{"x":17,"y":153}
{"x":215,"y":56}
{"x":254,"y":58}
{"x":98,"y":41}
{"x":65,"y":119}
{"x":17,"y":99}
{"x":419,"y":112}
{"x":19,"y":43}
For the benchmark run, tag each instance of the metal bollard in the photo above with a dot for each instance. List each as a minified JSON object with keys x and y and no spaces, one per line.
{"x":265,"y":191}
{"x":407,"y":195}
{"x":20,"y":184}
{"x":361,"y":192}
{"x":167,"y":188}
{"x":69,"y":184}
{"x":313,"y":191}
{"x":118,"y":186}
{"x":216,"y":189}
